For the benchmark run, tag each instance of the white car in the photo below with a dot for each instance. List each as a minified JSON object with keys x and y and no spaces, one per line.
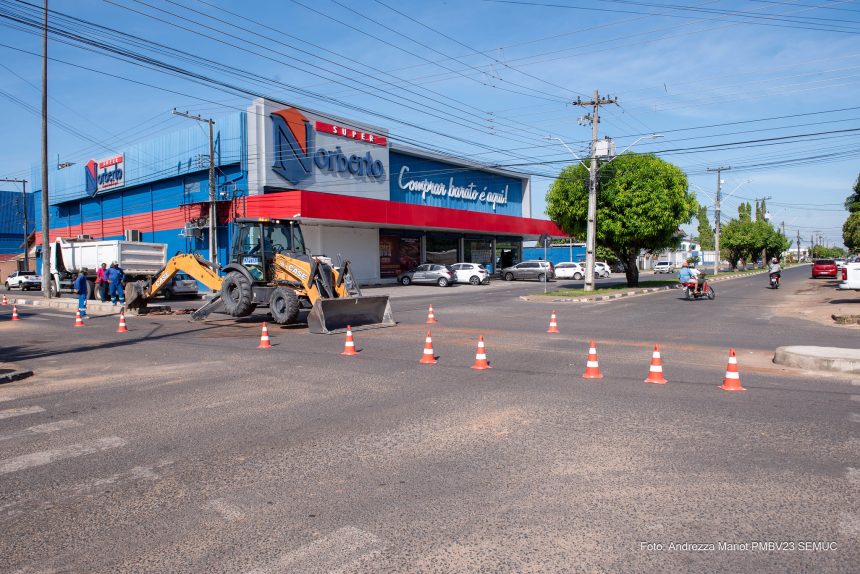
{"x":23,"y":280}
{"x":473,"y":273}
{"x":569,"y":270}
{"x":664,"y":267}
{"x":602,"y":269}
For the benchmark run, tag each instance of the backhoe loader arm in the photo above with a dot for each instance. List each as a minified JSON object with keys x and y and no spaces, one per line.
{"x":195,"y":266}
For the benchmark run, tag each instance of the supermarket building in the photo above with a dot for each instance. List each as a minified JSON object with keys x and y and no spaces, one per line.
{"x":384,"y":207}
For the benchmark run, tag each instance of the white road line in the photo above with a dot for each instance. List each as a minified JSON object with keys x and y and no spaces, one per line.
{"x":340,"y":551}
{"x":48,"y":456}
{"x":9,"y":413}
{"x":41,"y":429}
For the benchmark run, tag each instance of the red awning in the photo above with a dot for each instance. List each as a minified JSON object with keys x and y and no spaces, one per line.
{"x":330,"y":207}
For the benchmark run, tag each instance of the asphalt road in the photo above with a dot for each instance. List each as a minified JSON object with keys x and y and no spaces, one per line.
{"x":181,"y":447}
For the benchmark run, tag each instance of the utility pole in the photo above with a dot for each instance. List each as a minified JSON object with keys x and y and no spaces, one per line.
{"x":594,"y":118}
{"x":798,"y":246}
{"x":765,"y":218}
{"x":717,"y":226}
{"x":23,"y":183}
{"x":46,"y":223}
{"x":213,"y":229}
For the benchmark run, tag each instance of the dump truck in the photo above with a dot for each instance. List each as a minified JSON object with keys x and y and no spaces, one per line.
{"x":138,"y":260}
{"x":270,"y":266}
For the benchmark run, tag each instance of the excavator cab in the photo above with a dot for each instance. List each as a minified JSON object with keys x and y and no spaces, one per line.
{"x":256,"y":242}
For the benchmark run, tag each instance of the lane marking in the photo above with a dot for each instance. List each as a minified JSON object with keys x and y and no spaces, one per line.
{"x":229,"y":512}
{"x":9,"y":413}
{"x":41,"y":429}
{"x":340,"y":551}
{"x":48,"y":456}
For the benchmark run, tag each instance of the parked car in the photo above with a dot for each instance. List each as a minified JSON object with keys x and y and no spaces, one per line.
{"x":182,"y":285}
{"x":441,"y":275}
{"x":850,"y":276}
{"x":602,"y":269}
{"x":839,"y":263}
{"x":473,"y":273}
{"x":664,"y":267}
{"x":824,"y":268}
{"x":23,"y":280}
{"x":539,"y":270}
{"x":569,"y":270}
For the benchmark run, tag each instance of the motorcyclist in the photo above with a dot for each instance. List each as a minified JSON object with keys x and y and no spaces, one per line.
{"x":774,"y":269}
{"x":686,"y":275}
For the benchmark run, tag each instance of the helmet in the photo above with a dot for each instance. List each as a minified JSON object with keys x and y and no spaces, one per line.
{"x":774,"y":260}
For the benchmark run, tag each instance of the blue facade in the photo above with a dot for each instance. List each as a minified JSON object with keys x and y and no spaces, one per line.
{"x":12,"y":220}
{"x":422,"y":181}
{"x":554,"y":254}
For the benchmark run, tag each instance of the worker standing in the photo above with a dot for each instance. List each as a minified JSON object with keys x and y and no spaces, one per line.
{"x":115,"y":278}
{"x":81,"y":289}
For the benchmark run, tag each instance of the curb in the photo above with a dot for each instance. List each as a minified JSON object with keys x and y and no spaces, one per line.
{"x":15,"y":376}
{"x":637,"y":291}
{"x":833,"y":359}
{"x":93,"y":307}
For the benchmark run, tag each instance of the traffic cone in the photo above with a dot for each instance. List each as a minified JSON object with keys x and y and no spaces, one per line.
{"x":15,"y":316}
{"x":264,"y":338}
{"x":655,"y":373}
{"x":78,"y":321}
{"x":592,"y":369}
{"x":122,"y":328}
{"x":5,"y":302}
{"x":428,"y":357}
{"x":349,"y":346}
{"x":431,"y":318}
{"x":481,"y":356}
{"x":732,"y":381}
{"x":553,"y":325}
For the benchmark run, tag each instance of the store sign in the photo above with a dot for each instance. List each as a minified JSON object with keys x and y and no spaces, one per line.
{"x":102,"y":174}
{"x":351,"y":133}
{"x":439,"y":184}
{"x":296,"y":154}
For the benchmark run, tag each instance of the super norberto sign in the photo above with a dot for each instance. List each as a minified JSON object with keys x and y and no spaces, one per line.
{"x":435,"y":183}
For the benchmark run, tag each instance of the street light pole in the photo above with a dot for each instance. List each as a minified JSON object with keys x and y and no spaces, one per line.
{"x":717,"y":227}
{"x":46,"y":223}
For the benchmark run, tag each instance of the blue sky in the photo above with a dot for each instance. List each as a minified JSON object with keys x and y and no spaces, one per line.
{"x":481,"y":79}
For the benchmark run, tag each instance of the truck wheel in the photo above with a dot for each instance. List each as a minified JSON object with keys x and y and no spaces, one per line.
{"x":284,"y":306}
{"x":236,"y":295}
{"x":91,"y":290}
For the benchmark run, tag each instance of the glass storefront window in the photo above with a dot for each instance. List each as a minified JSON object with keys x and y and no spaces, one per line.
{"x":398,"y":254}
{"x":478,"y":251}
{"x":442,"y":250}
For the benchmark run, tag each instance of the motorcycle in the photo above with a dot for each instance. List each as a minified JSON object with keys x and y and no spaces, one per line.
{"x":704,"y":289}
{"x":774,"y":280}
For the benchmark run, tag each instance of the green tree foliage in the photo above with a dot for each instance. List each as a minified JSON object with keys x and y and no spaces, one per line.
{"x":824,"y":252}
{"x":852,"y":202}
{"x":706,"y":232}
{"x":851,"y":231}
{"x":745,"y":239}
{"x":641,"y":202}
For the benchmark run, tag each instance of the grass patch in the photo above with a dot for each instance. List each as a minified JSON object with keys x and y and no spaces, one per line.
{"x":608,"y":290}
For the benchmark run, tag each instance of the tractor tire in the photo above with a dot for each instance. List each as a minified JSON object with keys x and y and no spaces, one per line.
{"x":284,"y":306}
{"x":236,"y":295}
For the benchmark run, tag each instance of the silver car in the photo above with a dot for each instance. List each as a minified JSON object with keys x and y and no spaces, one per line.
{"x":181,"y":285}
{"x":539,"y":270}
{"x":441,"y":275}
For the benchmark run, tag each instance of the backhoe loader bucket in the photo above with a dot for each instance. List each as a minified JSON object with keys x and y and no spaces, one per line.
{"x":333,"y":315}
{"x":135,"y":295}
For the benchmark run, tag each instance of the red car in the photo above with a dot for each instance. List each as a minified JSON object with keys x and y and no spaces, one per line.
{"x":824,"y":268}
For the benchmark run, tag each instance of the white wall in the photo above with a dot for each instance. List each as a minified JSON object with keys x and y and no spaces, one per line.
{"x":359,"y":245}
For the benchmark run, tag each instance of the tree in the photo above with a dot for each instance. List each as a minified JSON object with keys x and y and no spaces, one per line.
{"x":641,"y":201}
{"x":706,"y":232}
{"x":851,"y":231}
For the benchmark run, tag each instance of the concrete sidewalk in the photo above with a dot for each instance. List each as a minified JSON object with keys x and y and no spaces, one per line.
{"x":94,"y":308}
{"x":834,"y":359}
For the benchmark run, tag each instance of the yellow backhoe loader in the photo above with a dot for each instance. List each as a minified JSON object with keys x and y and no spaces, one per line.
{"x":269,"y":265}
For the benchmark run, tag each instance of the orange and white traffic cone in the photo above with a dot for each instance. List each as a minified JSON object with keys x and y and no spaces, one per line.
{"x":78,"y":321}
{"x":655,"y":373}
{"x":349,"y":345}
{"x":592,"y":369}
{"x":431,"y":318}
{"x":553,"y":324}
{"x":15,"y":316}
{"x":122,"y":328}
{"x":5,"y":302}
{"x":732,"y":381}
{"x":428,"y":357}
{"x":481,"y":356}
{"x":264,"y":338}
